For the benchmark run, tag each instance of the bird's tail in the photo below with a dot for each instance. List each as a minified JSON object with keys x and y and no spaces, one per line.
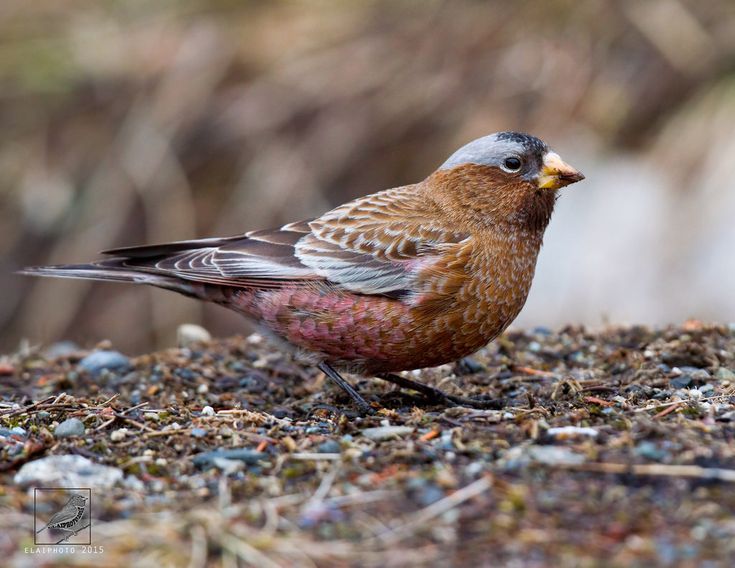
{"x":114,"y":270}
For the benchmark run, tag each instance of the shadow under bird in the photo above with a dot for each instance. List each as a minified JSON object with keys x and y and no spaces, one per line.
{"x":407,"y":278}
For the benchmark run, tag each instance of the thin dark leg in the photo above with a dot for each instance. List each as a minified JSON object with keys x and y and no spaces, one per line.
{"x":327,"y":369}
{"x":438,"y":396}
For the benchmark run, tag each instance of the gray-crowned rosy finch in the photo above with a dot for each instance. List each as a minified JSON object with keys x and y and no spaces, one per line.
{"x":410,"y":277}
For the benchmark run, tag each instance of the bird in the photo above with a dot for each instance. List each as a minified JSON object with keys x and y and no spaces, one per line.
{"x":70,"y":517}
{"x":406,"y":278}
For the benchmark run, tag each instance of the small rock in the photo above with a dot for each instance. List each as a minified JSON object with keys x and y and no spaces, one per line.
{"x":203,"y":388}
{"x":69,"y":428}
{"x":724,"y":374}
{"x":207,"y":411}
{"x":571,"y":432}
{"x":99,"y":361}
{"x":682,"y":381}
{"x":386,"y":432}
{"x":553,"y":455}
{"x":468,"y":366}
{"x":207,"y":459}
{"x":67,"y":471}
{"x":18,"y":431}
{"x":119,"y":434}
{"x":189,"y":334}
{"x":226,"y":432}
{"x":199,"y":432}
{"x":650,"y":451}
{"x":329,"y":447}
{"x":424,"y":492}
{"x":228,"y":466}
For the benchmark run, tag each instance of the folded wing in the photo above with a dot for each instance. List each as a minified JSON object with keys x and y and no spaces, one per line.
{"x":374,"y":245}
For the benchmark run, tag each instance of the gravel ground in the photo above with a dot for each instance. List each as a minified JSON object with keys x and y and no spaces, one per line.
{"x":614,"y":448}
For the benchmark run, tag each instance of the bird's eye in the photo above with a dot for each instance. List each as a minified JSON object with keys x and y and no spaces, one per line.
{"x":512,"y":164}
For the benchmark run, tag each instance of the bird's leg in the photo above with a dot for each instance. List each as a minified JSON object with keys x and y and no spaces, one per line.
{"x":362,"y":404}
{"x":439,"y":396}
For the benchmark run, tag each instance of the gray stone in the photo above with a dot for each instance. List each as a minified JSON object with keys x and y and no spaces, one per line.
{"x":189,"y":334}
{"x":329,"y":447}
{"x":208,"y":459}
{"x":724,"y":374}
{"x":386,"y":432}
{"x":681,"y":382}
{"x":99,"y":361}
{"x":67,"y":471}
{"x":69,"y":428}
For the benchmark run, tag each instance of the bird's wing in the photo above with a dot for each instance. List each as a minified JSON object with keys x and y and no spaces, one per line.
{"x":376,"y":244}
{"x":66,"y":514}
{"x":373,"y":245}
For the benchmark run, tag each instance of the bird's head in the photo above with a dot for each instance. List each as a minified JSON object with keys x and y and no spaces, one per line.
{"x":500,"y":179}
{"x":78,"y":500}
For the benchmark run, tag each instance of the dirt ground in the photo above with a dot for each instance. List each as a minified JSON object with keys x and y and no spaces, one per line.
{"x":614,"y":448}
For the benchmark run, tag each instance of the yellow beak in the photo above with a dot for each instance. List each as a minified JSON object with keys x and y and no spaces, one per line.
{"x":555,"y":173}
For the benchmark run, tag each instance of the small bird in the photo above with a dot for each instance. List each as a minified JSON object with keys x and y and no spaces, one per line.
{"x":70,"y":517}
{"x":410,"y":277}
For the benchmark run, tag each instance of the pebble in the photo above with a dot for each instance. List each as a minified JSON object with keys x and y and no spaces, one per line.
{"x":424,"y":492}
{"x":682,"y":381}
{"x":724,"y":374}
{"x":650,"y":451}
{"x":468,"y":366}
{"x":189,"y":334}
{"x":207,"y":459}
{"x":207,"y":411}
{"x":99,"y":361}
{"x":67,"y":471}
{"x":69,"y":428}
{"x":571,"y":432}
{"x":199,"y":432}
{"x":119,"y":434}
{"x":329,"y":447}
{"x":552,"y":455}
{"x":386,"y":432}
{"x":520,"y":458}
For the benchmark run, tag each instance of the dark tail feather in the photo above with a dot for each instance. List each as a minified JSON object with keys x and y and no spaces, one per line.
{"x":113,"y":270}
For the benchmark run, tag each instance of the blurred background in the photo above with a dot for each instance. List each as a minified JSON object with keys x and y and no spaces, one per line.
{"x":131,"y":122}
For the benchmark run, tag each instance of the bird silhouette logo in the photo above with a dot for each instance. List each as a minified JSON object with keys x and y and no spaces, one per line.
{"x":72,"y":518}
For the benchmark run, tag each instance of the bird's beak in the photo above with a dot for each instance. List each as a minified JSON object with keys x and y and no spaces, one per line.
{"x":555,"y":173}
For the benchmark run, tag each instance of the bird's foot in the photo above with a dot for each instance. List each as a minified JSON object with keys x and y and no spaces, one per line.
{"x":438,"y":396}
{"x":362,"y":404}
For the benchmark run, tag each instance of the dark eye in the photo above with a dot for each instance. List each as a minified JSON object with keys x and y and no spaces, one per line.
{"x":512,"y":164}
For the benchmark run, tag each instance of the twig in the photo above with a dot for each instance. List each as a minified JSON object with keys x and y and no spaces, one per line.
{"x":535,"y":372}
{"x":665,"y":404}
{"x":668,"y":410}
{"x":659,"y":470}
{"x":435,"y":509}
{"x":30,"y":407}
{"x":136,"y":407}
{"x":314,"y":456}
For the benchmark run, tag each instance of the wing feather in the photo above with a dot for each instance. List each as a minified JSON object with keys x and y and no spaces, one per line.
{"x":373,"y":245}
